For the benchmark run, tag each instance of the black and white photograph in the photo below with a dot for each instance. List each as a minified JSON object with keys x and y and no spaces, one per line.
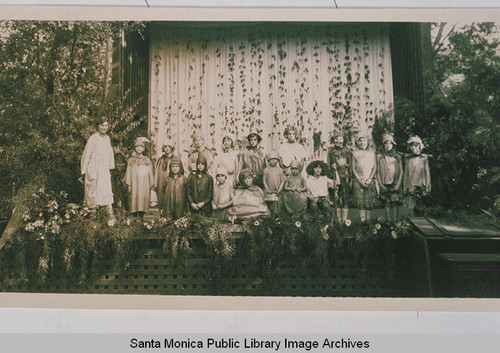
{"x":232,"y":158}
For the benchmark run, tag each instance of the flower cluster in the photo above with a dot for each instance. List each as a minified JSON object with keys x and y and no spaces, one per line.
{"x":182,"y":223}
{"x":150,"y":224}
{"x":46,"y":212}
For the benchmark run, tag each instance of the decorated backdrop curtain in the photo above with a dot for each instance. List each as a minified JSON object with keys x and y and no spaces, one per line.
{"x":240,"y":78}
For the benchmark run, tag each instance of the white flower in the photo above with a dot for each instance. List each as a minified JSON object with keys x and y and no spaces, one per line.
{"x":40,"y":214}
{"x":298,"y":224}
{"x":67,"y":216}
{"x":394,"y":235}
{"x":127,"y":222}
{"x":348,"y":222}
{"x":377,"y":226}
{"x":163,"y":220}
{"x":256,"y":223}
{"x":111,"y":222}
{"x":149,"y":226}
{"x":42,"y":237}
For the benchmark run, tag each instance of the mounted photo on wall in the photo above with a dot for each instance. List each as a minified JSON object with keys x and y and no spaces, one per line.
{"x":332,"y":159}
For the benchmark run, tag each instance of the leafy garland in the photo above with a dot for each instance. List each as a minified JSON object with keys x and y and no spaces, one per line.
{"x":61,"y":239}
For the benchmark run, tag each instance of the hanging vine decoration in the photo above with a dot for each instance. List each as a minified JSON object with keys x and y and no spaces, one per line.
{"x":317,"y":78}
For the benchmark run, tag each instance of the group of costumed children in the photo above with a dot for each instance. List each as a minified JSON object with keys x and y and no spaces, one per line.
{"x":250,"y":184}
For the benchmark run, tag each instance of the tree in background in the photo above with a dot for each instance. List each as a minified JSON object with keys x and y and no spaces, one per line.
{"x":55,"y":78}
{"x":461,"y":125}
{"x":464,"y":117}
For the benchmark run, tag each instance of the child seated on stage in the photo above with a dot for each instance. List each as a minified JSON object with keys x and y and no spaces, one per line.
{"x":295,"y":190}
{"x":248,"y":201}
{"x":223,"y":195}
{"x":318,"y":184}
{"x":274,"y":179}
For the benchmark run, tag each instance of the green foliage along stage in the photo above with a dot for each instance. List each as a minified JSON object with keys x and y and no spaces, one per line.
{"x":63,"y":240}
{"x":55,"y":78}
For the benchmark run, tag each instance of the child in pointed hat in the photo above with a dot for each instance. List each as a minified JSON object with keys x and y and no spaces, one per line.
{"x":139,"y":178}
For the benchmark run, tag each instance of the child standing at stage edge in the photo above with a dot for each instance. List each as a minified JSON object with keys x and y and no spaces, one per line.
{"x":139,"y":179}
{"x":339,"y":158}
{"x":200,"y":188}
{"x":318,"y":184}
{"x":295,"y":190}
{"x":162,"y":172}
{"x":417,"y":177}
{"x":223,"y":195}
{"x":364,"y":166}
{"x":173,"y":204}
{"x":390,"y":175}
{"x":274,"y":179}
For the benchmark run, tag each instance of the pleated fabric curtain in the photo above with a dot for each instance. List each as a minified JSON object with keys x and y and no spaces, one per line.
{"x":239,"y":78}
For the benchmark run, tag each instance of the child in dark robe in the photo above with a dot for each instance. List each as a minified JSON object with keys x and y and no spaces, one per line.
{"x":339,"y":159}
{"x":162,"y":171}
{"x":252,"y":157}
{"x":200,"y":188}
{"x":174,"y":202}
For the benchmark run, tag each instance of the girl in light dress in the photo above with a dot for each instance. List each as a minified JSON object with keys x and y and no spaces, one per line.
{"x":227,"y":158}
{"x":291,"y":149}
{"x":364,"y":167}
{"x":295,"y":190}
{"x":390,"y":176}
{"x":139,"y":179}
{"x":274,"y":180}
{"x":223,"y":195}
